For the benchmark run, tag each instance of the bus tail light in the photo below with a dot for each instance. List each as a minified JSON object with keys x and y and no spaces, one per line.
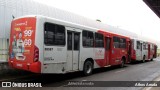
{"x":36,"y":54}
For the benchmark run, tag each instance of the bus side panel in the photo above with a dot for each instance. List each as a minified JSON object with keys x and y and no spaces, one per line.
{"x":133,"y":55}
{"x":99,"y":55}
{"x":39,"y":39}
{"x":86,"y":53}
{"x":155,"y":51}
{"x":54,"y":56}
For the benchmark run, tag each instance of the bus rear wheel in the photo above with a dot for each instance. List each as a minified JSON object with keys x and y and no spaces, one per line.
{"x":88,"y":68}
{"x":122,"y":63}
{"x":152,"y":58}
{"x":143,"y":59}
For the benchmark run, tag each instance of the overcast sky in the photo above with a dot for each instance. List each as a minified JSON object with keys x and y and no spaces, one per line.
{"x":132,"y":15}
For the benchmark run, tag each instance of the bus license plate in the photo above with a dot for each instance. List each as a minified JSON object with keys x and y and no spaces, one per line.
{"x":19,"y":65}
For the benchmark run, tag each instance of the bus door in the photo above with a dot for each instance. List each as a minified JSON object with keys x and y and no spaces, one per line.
{"x":129,"y":47}
{"x":149,"y":51}
{"x":141,"y":48}
{"x":73,"y":47}
{"x":116,"y":55}
{"x":107,"y":49}
{"x":155,"y":51}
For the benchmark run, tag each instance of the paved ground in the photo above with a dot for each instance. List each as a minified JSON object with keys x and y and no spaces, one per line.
{"x":147,"y":71}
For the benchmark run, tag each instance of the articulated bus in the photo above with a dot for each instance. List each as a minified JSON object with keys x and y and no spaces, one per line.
{"x":142,"y":50}
{"x":41,"y":44}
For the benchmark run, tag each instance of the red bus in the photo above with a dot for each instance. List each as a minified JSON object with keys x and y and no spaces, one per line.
{"x":152,"y":51}
{"x":155,"y":51}
{"x":117,"y":48}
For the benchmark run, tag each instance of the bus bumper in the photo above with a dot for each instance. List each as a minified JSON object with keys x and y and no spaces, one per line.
{"x":33,"y":67}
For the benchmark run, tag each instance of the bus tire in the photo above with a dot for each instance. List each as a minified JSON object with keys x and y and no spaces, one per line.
{"x":122,"y":63}
{"x":152,"y":58}
{"x":88,"y":68}
{"x":143,"y":59}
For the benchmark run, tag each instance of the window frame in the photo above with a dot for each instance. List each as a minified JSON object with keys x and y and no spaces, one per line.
{"x":125,"y":43}
{"x":118,"y":41}
{"x":95,"y":39}
{"x":69,"y":48}
{"x":145,"y":46}
{"x":138,"y":46}
{"x":78,"y":48}
{"x":86,"y":38}
{"x":44,"y":29}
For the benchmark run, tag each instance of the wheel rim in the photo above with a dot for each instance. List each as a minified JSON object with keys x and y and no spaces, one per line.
{"x":88,"y":68}
{"x":143,"y":59}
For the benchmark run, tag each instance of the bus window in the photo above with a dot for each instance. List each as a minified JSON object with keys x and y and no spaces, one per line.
{"x":69,"y":40}
{"x":76,"y":41}
{"x":54,"y":34}
{"x":122,"y":43}
{"x":138,"y":45}
{"x":152,"y":47}
{"x":99,"y":42}
{"x":116,"y":41}
{"x":87,"y":38}
{"x":145,"y":46}
{"x":141,"y":46}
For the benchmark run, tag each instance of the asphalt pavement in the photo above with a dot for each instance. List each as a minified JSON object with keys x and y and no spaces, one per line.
{"x":138,"y":71}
